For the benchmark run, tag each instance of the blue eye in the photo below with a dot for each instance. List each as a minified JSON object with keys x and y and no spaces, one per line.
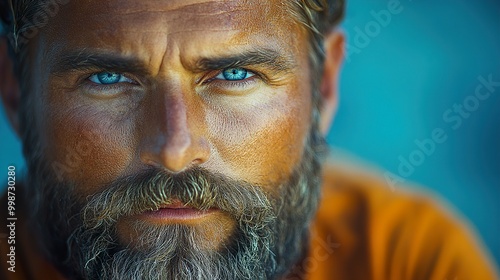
{"x":234,"y":74}
{"x":108,"y":78}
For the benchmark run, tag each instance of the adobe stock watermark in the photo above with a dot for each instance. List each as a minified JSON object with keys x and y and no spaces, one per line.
{"x":363,"y":36}
{"x":48,"y":9}
{"x":75,"y":155}
{"x":317,"y":255}
{"x":11,"y":218}
{"x":455,"y":117}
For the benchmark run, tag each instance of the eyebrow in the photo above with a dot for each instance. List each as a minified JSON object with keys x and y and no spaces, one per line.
{"x":85,"y":59}
{"x":269,"y":58}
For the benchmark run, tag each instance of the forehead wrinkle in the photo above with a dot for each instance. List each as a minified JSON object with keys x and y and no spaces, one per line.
{"x":204,"y":8}
{"x":235,"y":24}
{"x":190,"y":18}
{"x":172,"y":22}
{"x":269,"y":19}
{"x":114,"y":15}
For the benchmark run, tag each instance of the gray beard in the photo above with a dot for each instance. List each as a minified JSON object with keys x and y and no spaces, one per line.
{"x":80,"y":238}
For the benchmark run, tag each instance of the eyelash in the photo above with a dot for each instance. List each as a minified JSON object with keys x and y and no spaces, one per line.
{"x":120,"y":87}
{"x":110,"y":89}
{"x":233,"y":84}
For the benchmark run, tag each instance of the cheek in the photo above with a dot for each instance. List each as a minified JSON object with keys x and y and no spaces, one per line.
{"x":85,"y":146}
{"x":264,"y":142}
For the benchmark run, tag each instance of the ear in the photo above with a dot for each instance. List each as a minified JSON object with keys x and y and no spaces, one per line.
{"x":9,"y":86}
{"x":334,"y":55}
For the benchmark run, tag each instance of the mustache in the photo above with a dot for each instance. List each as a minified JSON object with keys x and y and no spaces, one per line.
{"x":197,"y":188}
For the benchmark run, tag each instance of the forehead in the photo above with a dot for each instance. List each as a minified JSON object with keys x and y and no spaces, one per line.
{"x":173,"y":26}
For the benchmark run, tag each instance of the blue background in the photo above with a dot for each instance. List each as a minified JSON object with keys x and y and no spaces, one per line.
{"x":395,"y":89}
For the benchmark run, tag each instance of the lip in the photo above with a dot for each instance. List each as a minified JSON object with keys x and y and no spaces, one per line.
{"x":176,"y":212}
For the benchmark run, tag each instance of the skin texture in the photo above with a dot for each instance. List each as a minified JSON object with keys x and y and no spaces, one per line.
{"x":173,"y":117}
{"x":173,"y":112}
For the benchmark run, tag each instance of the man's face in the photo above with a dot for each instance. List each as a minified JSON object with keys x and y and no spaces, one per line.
{"x":173,"y":107}
{"x":156,"y":93}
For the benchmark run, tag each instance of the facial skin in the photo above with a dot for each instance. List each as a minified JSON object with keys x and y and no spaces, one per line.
{"x":175,"y":115}
{"x":173,"y":110}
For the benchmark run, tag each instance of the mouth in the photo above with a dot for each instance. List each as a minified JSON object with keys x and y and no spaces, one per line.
{"x":176,"y":212}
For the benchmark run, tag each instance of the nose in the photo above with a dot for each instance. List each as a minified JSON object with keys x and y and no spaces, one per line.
{"x":176,"y":141}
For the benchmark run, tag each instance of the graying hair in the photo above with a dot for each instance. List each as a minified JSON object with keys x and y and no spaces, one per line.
{"x":271,"y":233}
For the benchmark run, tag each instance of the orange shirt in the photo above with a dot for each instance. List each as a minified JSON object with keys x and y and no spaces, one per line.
{"x":363,"y":230}
{"x":366,"y":230}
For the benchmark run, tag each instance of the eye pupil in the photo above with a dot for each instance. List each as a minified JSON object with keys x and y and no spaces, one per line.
{"x":234,"y":74}
{"x":108,"y":78}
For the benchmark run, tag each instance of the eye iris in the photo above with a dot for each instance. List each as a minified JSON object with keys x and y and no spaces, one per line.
{"x":108,"y":78}
{"x":234,"y":74}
